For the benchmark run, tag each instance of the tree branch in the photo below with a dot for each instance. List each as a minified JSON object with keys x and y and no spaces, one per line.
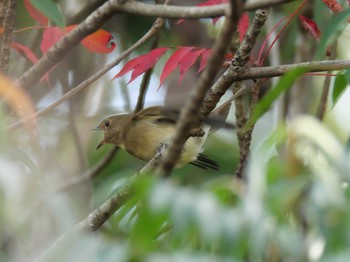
{"x":189,"y":12}
{"x":239,"y":62}
{"x":192,"y":107}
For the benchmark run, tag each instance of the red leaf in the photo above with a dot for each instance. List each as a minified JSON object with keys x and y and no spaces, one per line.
{"x":173,"y":62}
{"x":243,"y":25}
{"x":26,"y":52}
{"x":333,"y":5}
{"x":205,"y":55}
{"x":99,"y":42}
{"x":35,"y":13}
{"x":311,"y":27}
{"x":50,"y":36}
{"x":142,"y":63}
{"x":187,"y":62}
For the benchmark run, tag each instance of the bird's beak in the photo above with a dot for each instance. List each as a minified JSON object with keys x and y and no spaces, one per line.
{"x":100,"y":144}
{"x":97,"y":128}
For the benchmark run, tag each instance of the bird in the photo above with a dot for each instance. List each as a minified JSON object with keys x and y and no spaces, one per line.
{"x":141,"y":134}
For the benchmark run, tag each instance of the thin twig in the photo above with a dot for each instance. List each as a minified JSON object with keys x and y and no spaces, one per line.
{"x":324,"y":97}
{"x":145,"y":81}
{"x":72,"y":122}
{"x":321,"y":110}
{"x":247,"y":137}
{"x":192,"y":106}
{"x":239,"y":62}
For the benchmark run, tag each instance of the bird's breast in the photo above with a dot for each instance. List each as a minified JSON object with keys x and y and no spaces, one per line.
{"x":142,"y":141}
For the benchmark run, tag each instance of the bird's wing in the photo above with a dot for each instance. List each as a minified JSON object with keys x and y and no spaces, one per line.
{"x":157,"y":114}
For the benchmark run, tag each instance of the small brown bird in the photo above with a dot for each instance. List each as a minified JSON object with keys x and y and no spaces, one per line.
{"x":142,"y":133}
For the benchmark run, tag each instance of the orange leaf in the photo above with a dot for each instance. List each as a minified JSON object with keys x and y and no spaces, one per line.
{"x":101,"y":42}
{"x":19,"y":101}
{"x":35,"y":13}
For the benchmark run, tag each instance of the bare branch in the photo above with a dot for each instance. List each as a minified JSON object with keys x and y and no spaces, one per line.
{"x":239,"y":62}
{"x":325,"y":89}
{"x":145,"y":81}
{"x":190,"y":12}
{"x":192,"y":107}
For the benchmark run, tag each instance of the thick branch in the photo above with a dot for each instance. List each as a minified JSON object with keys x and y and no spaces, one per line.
{"x":192,"y":106}
{"x":239,"y":62}
{"x":190,"y":12}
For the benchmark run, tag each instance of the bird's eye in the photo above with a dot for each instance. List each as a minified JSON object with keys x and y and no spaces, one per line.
{"x":107,"y":123}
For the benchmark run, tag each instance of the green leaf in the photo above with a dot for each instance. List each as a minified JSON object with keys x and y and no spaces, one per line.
{"x":340,"y":85}
{"x":49,"y":9}
{"x":332,"y":31}
{"x":265,"y":103}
